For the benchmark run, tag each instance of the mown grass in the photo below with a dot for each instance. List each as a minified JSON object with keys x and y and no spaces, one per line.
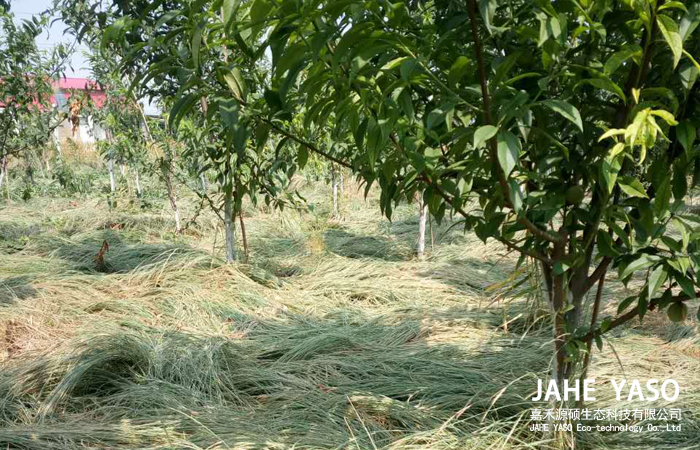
{"x":333,"y":336}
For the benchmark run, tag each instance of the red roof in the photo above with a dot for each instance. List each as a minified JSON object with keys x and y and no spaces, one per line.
{"x":97,"y":94}
{"x":64,"y":86}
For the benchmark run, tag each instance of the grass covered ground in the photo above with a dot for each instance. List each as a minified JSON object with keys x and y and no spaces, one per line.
{"x":333,"y":336}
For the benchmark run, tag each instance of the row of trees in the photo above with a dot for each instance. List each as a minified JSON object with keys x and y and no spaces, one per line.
{"x":564,"y":130}
{"x":27,"y":118}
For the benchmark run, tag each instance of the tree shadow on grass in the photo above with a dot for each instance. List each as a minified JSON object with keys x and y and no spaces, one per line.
{"x":345,"y":243}
{"x":121,"y":257}
{"x":14,"y":235}
{"x":293,"y":380}
{"x":16,"y":288}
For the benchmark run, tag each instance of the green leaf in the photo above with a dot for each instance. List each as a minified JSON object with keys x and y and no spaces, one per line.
{"x":662,"y":198}
{"x":683,"y":228}
{"x":516,"y":195}
{"x":504,"y":67}
{"x":567,"y":110}
{"x":686,"y":285}
{"x":609,"y":169}
{"x":606,"y":84}
{"x":669,"y":30}
{"x":599,"y":342}
{"x":680,"y":180}
{"x":236,"y":83}
{"x":686,"y":134}
{"x":303,"y":156}
{"x":487,"y":9}
{"x":632,"y":187}
{"x":457,"y":71}
{"x":618,"y":58}
{"x":406,"y":103}
{"x":228,"y":111}
{"x":642,"y":262}
{"x":667,"y":116}
{"x":432,"y":156}
{"x":180,"y":108}
{"x":196,"y":43}
{"x":228,"y":9}
{"x":483,"y":134}
{"x":624,"y":304}
{"x":606,"y":245}
{"x":670,"y":5}
{"x":656,"y":280}
{"x":435,"y":117}
{"x":611,"y":132}
{"x":690,"y":21}
{"x":394,"y":63}
{"x":508,"y":151}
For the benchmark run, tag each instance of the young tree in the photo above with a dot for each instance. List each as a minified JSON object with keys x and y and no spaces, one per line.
{"x":27,"y":117}
{"x":577,"y":145}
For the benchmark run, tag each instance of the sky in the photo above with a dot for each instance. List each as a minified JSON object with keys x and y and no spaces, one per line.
{"x":25,"y":9}
{"x":78,"y":65}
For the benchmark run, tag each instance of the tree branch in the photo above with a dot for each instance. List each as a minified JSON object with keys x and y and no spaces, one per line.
{"x":623,"y":319}
{"x":493,"y":142}
{"x":308,"y":145}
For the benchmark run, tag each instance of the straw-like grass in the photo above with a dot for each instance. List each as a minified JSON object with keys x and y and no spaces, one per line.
{"x":333,"y":336}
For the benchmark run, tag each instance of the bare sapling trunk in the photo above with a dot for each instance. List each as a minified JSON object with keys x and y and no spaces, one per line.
{"x":246,"y":251}
{"x":112,"y":182}
{"x":334,"y":185}
{"x":229,"y":228}
{"x":423,"y":214}
{"x":57,"y":142}
{"x":342,"y":184}
{"x":589,"y":345}
{"x":3,"y":170}
{"x":171,"y":196}
{"x":203,"y":181}
{"x":138,"y":183}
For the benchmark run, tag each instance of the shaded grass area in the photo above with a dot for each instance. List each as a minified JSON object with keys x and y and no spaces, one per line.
{"x":332,"y":337}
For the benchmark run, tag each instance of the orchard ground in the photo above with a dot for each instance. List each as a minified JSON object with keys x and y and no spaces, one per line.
{"x":333,"y":335}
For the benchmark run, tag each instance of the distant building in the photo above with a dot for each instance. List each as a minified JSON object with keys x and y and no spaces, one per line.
{"x":86,"y":131}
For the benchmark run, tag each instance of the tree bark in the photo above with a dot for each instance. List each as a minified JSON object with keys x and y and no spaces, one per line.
{"x":246,"y":251}
{"x":3,"y":169}
{"x":138,"y":183}
{"x":112,"y":181}
{"x":423,"y":211}
{"x":334,"y":183}
{"x":171,"y":196}
{"x":203,"y":180}
{"x":230,"y":228}
{"x":589,"y":345}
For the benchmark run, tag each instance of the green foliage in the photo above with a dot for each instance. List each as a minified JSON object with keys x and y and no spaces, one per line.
{"x":593,"y":97}
{"x":27,"y":118}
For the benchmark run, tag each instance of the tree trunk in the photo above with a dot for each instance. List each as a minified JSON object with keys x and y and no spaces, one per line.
{"x":230,"y":228}
{"x":171,"y":197}
{"x":556,"y":439}
{"x":203,"y":180}
{"x":342,"y":184}
{"x":246,"y":251}
{"x":112,"y":182}
{"x":57,"y":141}
{"x":334,"y":183}
{"x":423,"y":211}
{"x":138,"y":184}
{"x":3,"y":169}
